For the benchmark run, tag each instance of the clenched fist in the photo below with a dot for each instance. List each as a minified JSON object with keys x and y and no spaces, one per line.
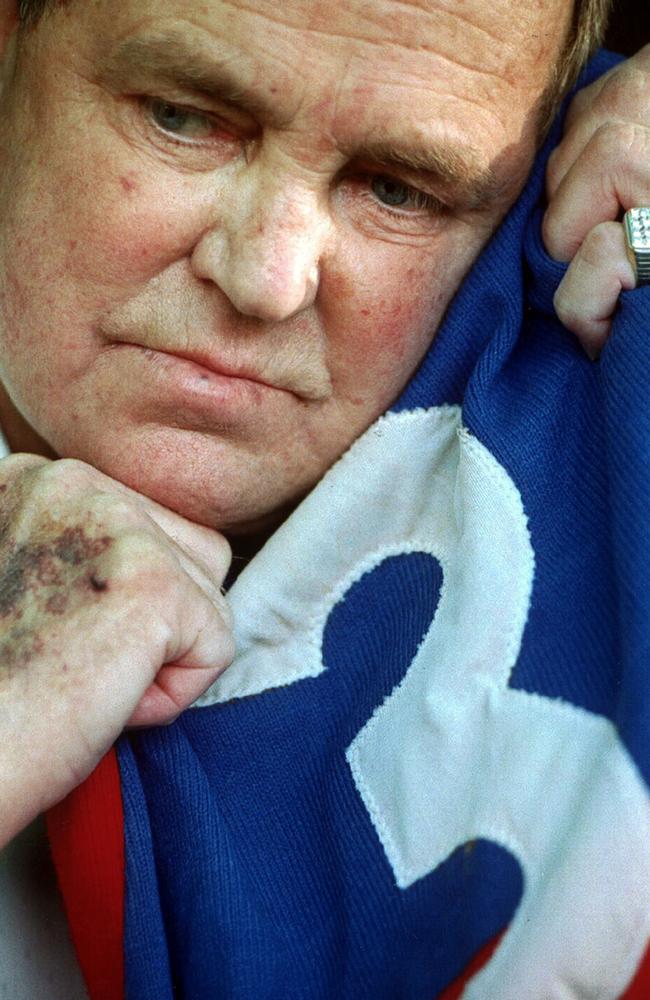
{"x":111,"y":613}
{"x":600,"y":169}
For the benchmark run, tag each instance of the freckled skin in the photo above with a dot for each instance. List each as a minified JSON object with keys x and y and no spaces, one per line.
{"x":265,"y":249}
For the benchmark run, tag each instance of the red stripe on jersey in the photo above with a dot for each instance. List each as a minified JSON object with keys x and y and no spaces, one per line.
{"x":86,"y":834}
{"x":482,"y":957}
{"x":639,"y":988}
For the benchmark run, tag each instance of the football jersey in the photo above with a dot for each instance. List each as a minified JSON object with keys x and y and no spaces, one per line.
{"x":426,"y":772}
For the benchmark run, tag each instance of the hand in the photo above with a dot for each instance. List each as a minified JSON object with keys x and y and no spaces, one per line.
{"x":111,"y":613}
{"x":600,"y":169}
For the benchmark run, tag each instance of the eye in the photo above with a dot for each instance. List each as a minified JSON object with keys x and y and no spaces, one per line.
{"x":389,"y":191}
{"x":395,"y":194}
{"x":180,"y":121}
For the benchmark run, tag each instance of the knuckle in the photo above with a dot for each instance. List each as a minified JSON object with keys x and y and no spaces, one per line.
{"x":581,"y":102}
{"x":67,"y":470}
{"x":643,"y":57}
{"x":563,"y":304}
{"x":148,"y":573}
{"x":624,"y":90}
{"x":221,"y":645}
{"x":18,"y":470}
{"x":601,"y":243}
{"x":53,"y":480}
{"x":584,"y":98}
{"x":112,"y":510}
{"x":136,"y":555}
{"x":212,"y":555}
{"x":568,"y":303}
{"x":21,"y":462}
{"x":225,"y":652}
{"x":617,"y":141}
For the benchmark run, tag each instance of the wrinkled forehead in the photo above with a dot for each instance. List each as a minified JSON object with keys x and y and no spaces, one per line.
{"x":350,"y":74}
{"x":500,"y":38}
{"x":483,"y":34}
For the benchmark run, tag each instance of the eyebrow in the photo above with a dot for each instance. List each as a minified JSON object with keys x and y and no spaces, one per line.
{"x":455,"y":167}
{"x":169,"y":56}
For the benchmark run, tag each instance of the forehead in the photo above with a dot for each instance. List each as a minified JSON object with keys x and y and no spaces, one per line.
{"x":375,"y":40}
{"x":462,"y":71}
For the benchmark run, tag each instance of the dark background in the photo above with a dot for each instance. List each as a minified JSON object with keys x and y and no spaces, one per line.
{"x":629,"y":26}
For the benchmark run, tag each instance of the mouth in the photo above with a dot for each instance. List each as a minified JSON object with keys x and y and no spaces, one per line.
{"x":273,"y":376}
{"x":208,"y":366}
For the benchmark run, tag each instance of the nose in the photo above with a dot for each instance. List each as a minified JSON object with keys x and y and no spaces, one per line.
{"x":264,"y":248}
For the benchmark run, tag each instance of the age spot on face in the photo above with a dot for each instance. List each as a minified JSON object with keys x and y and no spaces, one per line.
{"x":128,"y":185}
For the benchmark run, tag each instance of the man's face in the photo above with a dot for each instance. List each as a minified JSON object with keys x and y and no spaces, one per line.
{"x":229,"y":230}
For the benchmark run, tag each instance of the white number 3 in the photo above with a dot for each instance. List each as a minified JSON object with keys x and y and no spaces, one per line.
{"x":454,"y":754}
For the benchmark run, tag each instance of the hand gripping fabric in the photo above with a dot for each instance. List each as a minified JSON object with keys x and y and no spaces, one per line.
{"x":426,"y":773}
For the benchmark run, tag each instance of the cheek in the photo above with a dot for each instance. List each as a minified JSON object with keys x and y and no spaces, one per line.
{"x":127,"y":233}
{"x":65,"y":260}
{"x":385,"y":325}
{"x":81,"y":253}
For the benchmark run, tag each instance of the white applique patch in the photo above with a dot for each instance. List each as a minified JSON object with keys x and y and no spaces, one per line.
{"x":374,"y":503}
{"x":454,"y":754}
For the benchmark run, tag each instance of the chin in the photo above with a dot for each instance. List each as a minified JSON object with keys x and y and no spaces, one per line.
{"x":210,"y":481}
{"x":231,"y":500}
{"x":228,"y":508}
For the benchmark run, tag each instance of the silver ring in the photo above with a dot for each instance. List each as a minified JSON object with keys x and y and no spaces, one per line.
{"x":637,"y":234}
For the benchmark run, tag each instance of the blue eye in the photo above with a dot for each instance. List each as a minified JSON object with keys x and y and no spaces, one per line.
{"x":396,"y":194}
{"x":179,"y":120}
{"x":391,"y":192}
{"x":169,"y":116}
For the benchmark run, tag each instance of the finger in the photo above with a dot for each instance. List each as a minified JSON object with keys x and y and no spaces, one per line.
{"x":204,"y":553}
{"x":13,"y":471}
{"x":174,"y":690}
{"x":587,"y":296}
{"x":620,"y":96}
{"x":579,"y":126}
{"x":205,"y":545}
{"x":200,"y":652}
{"x":612,"y":173}
{"x":19,"y":462}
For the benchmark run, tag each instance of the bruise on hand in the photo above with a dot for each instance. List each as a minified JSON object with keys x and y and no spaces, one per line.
{"x":32,"y":568}
{"x":18,"y":649}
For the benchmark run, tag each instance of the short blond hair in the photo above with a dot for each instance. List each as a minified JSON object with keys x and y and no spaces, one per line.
{"x":590,"y":20}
